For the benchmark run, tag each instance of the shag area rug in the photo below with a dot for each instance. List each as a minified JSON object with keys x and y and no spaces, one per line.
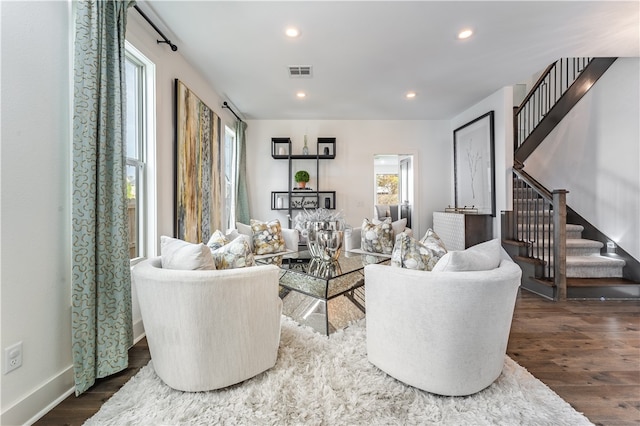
{"x":328,"y":381}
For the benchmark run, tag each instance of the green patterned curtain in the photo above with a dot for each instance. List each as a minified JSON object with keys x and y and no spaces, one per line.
{"x":242,"y":199}
{"x":101,"y":295}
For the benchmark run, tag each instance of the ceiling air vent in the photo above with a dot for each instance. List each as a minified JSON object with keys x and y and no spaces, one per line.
{"x":299,"y":70}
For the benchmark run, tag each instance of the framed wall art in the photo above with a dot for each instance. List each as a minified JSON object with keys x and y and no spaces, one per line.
{"x":474,"y":166}
{"x":198,"y":186}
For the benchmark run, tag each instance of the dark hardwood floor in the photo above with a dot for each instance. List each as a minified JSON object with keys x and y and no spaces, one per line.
{"x":588,"y":352}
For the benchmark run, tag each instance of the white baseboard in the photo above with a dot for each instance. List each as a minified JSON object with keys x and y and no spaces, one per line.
{"x":28,"y":410}
{"x":50,"y":394}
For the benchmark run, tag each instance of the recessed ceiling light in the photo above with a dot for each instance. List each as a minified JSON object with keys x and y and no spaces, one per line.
{"x":292,"y":32}
{"x":301,"y":94}
{"x":465,"y":34}
{"x":411,"y":95}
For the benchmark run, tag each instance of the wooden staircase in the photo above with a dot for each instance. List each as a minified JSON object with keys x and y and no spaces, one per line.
{"x":557,"y":261}
{"x":590,"y":273}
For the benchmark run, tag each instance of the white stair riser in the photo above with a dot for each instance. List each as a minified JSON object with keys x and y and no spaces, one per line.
{"x":581,"y":271}
{"x":543,"y":235}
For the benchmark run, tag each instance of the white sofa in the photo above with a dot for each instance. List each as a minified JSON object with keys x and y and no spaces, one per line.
{"x":209,"y":329}
{"x":353,"y":240}
{"x":442,"y":332}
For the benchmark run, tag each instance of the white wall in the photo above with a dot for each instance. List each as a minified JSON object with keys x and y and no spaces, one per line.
{"x":35,"y":179}
{"x":501,"y":102}
{"x":169,"y":66}
{"x":350,"y":174}
{"x":594,"y":153}
{"x":35,"y":213}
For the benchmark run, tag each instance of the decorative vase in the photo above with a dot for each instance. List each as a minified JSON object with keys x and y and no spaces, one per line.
{"x":305,"y":148}
{"x":327,"y":203}
{"x":282,"y":150}
{"x":329,"y":243}
{"x":279,"y":202}
{"x":326,"y":150}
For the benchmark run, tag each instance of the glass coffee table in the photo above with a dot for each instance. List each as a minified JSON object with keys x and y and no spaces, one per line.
{"x":324,"y":295}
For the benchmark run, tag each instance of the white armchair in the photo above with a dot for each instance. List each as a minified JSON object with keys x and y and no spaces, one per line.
{"x":442,"y":332}
{"x":209,"y":329}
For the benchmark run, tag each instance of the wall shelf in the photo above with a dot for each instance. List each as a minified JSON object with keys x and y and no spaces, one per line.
{"x":293,"y":199}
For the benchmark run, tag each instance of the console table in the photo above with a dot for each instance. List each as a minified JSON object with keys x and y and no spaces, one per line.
{"x":459,"y":231}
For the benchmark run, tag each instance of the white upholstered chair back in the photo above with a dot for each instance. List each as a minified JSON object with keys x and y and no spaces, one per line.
{"x":209,"y":329}
{"x":442,"y":332}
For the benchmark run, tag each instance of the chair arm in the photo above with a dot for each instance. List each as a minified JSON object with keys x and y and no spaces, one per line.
{"x":353,"y":239}
{"x":291,"y":238}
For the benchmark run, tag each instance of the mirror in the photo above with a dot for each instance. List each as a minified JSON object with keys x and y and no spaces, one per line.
{"x":393,"y":186}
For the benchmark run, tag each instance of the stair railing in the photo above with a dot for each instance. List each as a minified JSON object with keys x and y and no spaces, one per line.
{"x":552,"y":84}
{"x":540,"y":223}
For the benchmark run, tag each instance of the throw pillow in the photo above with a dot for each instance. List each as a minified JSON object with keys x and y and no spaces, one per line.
{"x":481,"y":257}
{"x":178,"y":254}
{"x":377,"y":238}
{"x":398,"y":226}
{"x":245,"y":230}
{"x":433,"y":241}
{"x":412,"y":254}
{"x":267,"y":237}
{"x":217,"y":240}
{"x":236,"y":254}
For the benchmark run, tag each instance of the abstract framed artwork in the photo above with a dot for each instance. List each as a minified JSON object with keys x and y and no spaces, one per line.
{"x":198,"y":185}
{"x":474,"y":166}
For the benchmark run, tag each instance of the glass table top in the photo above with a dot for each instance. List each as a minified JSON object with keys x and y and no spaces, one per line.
{"x":321,"y":279}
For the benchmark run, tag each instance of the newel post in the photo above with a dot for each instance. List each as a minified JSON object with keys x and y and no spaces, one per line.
{"x":560,"y":242}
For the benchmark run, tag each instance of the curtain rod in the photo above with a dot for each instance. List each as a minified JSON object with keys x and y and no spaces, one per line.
{"x":166,"y":40}
{"x":226,"y":105}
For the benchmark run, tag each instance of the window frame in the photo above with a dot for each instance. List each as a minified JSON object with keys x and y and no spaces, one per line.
{"x":230,"y":201}
{"x":146,"y":209}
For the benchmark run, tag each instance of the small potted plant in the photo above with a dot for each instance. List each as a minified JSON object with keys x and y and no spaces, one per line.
{"x":301,"y":177}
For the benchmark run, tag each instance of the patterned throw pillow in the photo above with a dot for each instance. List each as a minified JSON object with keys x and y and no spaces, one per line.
{"x":377,"y":238}
{"x":433,"y":241}
{"x":236,"y":254}
{"x":217,"y":240}
{"x":267,"y":237}
{"x":413,"y":254}
{"x":398,"y":226}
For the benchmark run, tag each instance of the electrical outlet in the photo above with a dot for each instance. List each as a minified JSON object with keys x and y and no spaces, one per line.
{"x":12,"y":357}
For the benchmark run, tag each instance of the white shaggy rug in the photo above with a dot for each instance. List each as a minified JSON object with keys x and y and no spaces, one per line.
{"x":328,"y":381}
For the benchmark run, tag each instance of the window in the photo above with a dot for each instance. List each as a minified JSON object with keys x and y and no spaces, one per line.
{"x":386,"y":189}
{"x":140,"y":153}
{"x":230,"y":177}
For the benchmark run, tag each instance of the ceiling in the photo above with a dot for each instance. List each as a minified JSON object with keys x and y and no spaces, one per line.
{"x":366,"y":55}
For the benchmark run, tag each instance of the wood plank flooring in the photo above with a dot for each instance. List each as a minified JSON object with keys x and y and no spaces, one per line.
{"x":588,"y":352}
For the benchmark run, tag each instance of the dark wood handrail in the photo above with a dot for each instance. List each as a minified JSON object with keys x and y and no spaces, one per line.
{"x":534,"y":184}
{"x":538,"y":83}
{"x":544,"y":110}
